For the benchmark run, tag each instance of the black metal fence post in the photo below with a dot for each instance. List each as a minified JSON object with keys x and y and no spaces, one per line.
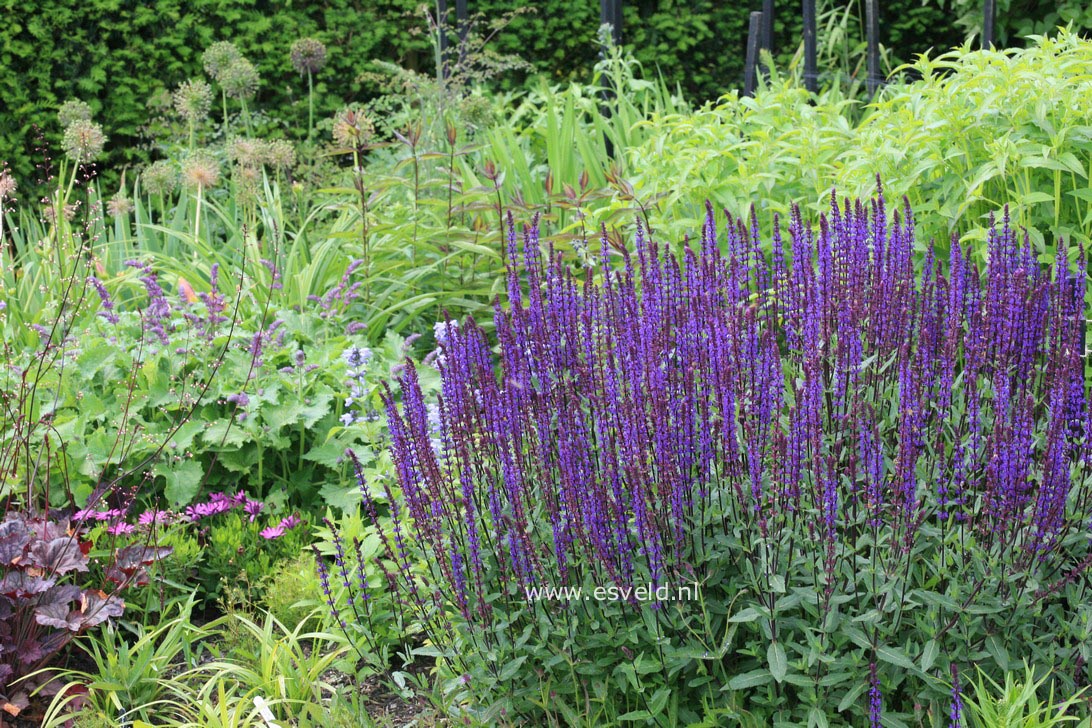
{"x":987,"y":24}
{"x":610,"y":13}
{"x":441,"y":26}
{"x":872,"y":29}
{"x":462,"y":27}
{"x":811,"y":74}
{"x":753,"y":32}
{"x":767,"y":25}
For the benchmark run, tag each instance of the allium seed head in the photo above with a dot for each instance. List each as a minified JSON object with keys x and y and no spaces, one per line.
{"x":83,"y":141}
{"x":247,"y":181}
{"x":280,"y":154}
{"x":247,"y":152}
{"x":240,"y":79}
{"x":119,"y":205}
{"x":352,"y":128}
{"x":308,"y":56}
{"x":7,"y":184}
{"x":192,"y":100}
{"x":160,"y":178}
{"x":218,"y":57}
{"x":201,"y":171}
{"x":72,"y":111}
{"x":69,"y":212}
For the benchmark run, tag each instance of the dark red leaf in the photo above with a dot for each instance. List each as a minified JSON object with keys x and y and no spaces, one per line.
{"x":20,"y":585}
{"x":13,"y":539}
{"x":58,"y":556}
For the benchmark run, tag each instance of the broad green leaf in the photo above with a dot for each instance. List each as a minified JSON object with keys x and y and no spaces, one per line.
{"x":183,"y":481}
{"x":895,"y":656}
{"x":929,"y":655}
{"x":779,"y":664}
{"x":751,"y":679}
{"x":635,"y":715}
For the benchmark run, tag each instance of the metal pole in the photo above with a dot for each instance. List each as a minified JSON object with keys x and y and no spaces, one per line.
{"x":460,"y":19}
{"x":987,"y":24}
{"x":610,"y":13}
{"x":462,"y":27}
{"x":811,"y":74}
{"x":767,"y":24}
{"x":872,"y":21}
{"x":753,"y":32}
{"x":441,"y":25}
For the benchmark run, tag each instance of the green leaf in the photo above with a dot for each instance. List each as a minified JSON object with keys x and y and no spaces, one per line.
{"x":635,"y":715}
{"x":779,"y":663}
{"x":851,"y":697}
{"x":510,"y":670}
{"x":896,"y":657}
{"x":345,"y":499}
{"x":224,"y":432}
{"x":929,"y":655}
{"x":91,"y":360}
{"x":183,"y":481}
{"x":659,"y":700}
{"x":998,"y":652}
{"x":319,"y":406}
{"x":750,"y":614}
{"x":751,"y":679}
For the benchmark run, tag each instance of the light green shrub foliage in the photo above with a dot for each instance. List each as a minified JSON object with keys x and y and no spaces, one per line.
{"x":1022,"y":702}
{"x":292,"y":592}
{"x":978,"y":130}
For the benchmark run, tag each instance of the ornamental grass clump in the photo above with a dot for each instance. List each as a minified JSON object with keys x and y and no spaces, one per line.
{"x":807,"y":481}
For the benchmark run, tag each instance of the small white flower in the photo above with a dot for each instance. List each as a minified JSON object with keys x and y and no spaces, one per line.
{"x":443,"y":329}
{"x":357,"y":356}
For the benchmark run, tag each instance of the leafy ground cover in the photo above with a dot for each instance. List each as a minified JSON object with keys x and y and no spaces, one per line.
{"x":314,"y":432}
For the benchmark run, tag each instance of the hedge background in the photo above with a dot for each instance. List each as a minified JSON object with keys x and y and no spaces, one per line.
{"x":117,"y":54}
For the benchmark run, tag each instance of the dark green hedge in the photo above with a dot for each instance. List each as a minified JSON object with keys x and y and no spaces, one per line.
{"x":115,"y":54}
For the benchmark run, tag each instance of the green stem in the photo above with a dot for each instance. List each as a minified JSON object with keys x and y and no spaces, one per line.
{"x":310,"y":106}
{"x":197,"y":220}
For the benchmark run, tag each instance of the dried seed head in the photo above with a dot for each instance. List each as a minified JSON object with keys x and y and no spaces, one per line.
{"x":72,"y":111}
{"x":201,"y":171}
{"x":119,"y":205}
{"x":69,"y":211}
{"x":352,"y":128}
{"x":247,"y":182}
{"x":7,"y":184}
{"x":308,"y":56}
{"x":247,"y":152}
{"x":83,"y":141}
{"x":240,"y":79}
{"x":218,"y":57}
{"x":192,"y":100}
{"x":280,"y":154}
{"x":160,"y":178}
